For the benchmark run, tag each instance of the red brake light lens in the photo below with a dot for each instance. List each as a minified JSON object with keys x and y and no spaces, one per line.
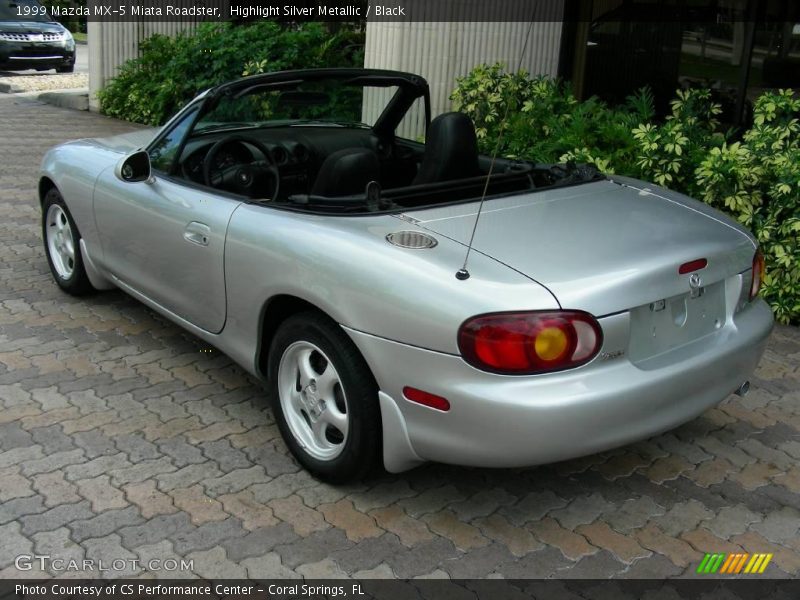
{"x":526,"y":343}
{"x":758,"y":274}
{"x":693,"y":265}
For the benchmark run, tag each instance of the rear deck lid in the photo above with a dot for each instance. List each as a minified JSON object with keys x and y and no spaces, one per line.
{"x":602,"y":247}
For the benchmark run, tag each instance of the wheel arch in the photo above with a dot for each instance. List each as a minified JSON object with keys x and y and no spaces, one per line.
{"x":275,"y":311}
{"x":45,"y":185}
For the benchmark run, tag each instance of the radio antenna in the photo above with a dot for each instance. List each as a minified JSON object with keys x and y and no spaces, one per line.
{"x":463,"y":273}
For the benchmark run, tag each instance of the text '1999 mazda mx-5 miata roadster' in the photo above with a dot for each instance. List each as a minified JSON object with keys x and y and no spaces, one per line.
{"x":294,"y":221}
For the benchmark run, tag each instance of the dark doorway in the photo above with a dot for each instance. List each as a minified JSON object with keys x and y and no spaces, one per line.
{"x":736,"y":48}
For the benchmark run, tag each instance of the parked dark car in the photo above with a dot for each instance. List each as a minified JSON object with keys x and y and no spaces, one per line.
{"x":30,"y":39}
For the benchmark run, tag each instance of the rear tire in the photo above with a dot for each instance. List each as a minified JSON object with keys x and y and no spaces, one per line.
{"x":325,"y":399}
{"x":66,"y":69}
{"x":62,"y":246}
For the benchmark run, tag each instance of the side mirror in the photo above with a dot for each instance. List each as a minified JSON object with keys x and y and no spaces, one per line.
{"x":134,"y":167}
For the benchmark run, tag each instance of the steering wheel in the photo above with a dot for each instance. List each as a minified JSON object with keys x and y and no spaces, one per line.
{"x":242,"y":178}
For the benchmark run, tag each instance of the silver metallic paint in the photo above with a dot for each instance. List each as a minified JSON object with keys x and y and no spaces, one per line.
{"x":507,"y":421}
{"x":143,"y":230}
{"x":598,"y":247}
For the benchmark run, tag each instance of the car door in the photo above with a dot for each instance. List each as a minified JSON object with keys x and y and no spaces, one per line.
{"x":165,"y":239}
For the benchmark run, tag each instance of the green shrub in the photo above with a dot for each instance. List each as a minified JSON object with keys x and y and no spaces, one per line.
{"x":545,"y":121}
{"x":758,"y":181}
{"x":668,"y":153}
{"x":755,"y":177}
{"x":170,"y":71}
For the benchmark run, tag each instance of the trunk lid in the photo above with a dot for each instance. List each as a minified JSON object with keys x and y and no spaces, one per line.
{"x":602,"y":247}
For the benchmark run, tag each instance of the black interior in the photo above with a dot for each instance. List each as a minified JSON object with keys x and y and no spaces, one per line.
{"x":310,"y":159}
{"x":347,"y":171}
{"x":339,"y":165}
{"x":451,"y":150}
{"x":327,"y":168}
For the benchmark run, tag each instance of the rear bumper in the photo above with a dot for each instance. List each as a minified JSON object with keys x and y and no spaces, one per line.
{"x":502,"y":421}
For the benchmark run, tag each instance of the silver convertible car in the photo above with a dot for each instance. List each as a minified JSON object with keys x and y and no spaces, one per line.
{"x":296,"y":222}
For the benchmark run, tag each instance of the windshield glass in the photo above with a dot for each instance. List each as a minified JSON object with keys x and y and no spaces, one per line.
{"x":23,"y":10}
{"x":326,"y":102}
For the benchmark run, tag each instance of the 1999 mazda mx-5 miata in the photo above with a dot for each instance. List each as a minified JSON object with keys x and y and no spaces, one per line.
{"x":293,"y":221}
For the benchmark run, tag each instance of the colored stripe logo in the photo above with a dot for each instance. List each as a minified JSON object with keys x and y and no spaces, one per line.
{"x":733,"y":564}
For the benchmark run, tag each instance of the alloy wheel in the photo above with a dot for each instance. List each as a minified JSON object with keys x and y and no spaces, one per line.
{"x":313,"y":400}
{"x":60,"y":241}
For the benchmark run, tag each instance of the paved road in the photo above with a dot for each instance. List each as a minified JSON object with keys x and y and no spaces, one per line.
{"x":119,"y":439}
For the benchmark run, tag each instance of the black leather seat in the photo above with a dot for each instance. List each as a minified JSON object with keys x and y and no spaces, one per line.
{"x":451,"y":150}
{"x":347,"y":172}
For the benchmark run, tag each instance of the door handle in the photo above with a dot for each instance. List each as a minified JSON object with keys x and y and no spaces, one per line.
{"x":197,"y":233}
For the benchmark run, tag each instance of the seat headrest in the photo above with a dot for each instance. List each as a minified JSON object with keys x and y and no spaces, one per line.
{"x":451,"y":149}
{"x":347,"y":172}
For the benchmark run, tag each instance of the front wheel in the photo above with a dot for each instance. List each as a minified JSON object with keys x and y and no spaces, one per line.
{"x":66,"y":69}
{"x":62,"y":246}
{"x":325,"y":399}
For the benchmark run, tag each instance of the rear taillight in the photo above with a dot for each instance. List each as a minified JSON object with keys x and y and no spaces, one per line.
{"x":758,"y":274}
{"x":525,"y":343}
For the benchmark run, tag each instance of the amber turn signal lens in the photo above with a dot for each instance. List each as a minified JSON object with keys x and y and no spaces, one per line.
{"x":758,"y":274}
{"x":551,"y":343}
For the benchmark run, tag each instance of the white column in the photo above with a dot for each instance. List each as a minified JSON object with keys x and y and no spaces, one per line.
{"x":96,"y":58}
{"x":110,"y":44}
{"x":443,"y":51}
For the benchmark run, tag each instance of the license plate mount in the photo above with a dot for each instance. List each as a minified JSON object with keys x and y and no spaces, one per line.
{"x":669,"y":323}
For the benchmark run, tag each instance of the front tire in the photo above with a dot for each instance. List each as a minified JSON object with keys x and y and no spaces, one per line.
{"x":66,"y":69}
{"x":325,"y":399}
{"x":62,"y":246}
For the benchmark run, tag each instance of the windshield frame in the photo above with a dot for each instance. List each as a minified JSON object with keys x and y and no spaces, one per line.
{"x":409,"y":88}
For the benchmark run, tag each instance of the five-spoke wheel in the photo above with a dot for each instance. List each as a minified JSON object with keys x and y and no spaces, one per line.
{"x":313,"y":400}
{"x":325,"y":398}
{"x":60,"y":241}
{"x":62,"y":245}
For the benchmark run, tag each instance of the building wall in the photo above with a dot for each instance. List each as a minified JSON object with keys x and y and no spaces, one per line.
{"x":111,"y":44}
{"x":443,"y":51}
{"x":439,"y":51}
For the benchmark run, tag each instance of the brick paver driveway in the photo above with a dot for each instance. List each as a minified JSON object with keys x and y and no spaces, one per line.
{"x":119,"y":438}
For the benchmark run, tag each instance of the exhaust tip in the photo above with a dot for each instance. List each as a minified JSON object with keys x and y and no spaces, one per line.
{"x":743,"y":389}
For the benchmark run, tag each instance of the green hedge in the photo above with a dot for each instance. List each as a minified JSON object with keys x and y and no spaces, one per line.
{"x":170,"y":71}
{"x":754,"y":176}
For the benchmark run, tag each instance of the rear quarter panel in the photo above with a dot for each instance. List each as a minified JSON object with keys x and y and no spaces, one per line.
{"x":345,"y":267}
